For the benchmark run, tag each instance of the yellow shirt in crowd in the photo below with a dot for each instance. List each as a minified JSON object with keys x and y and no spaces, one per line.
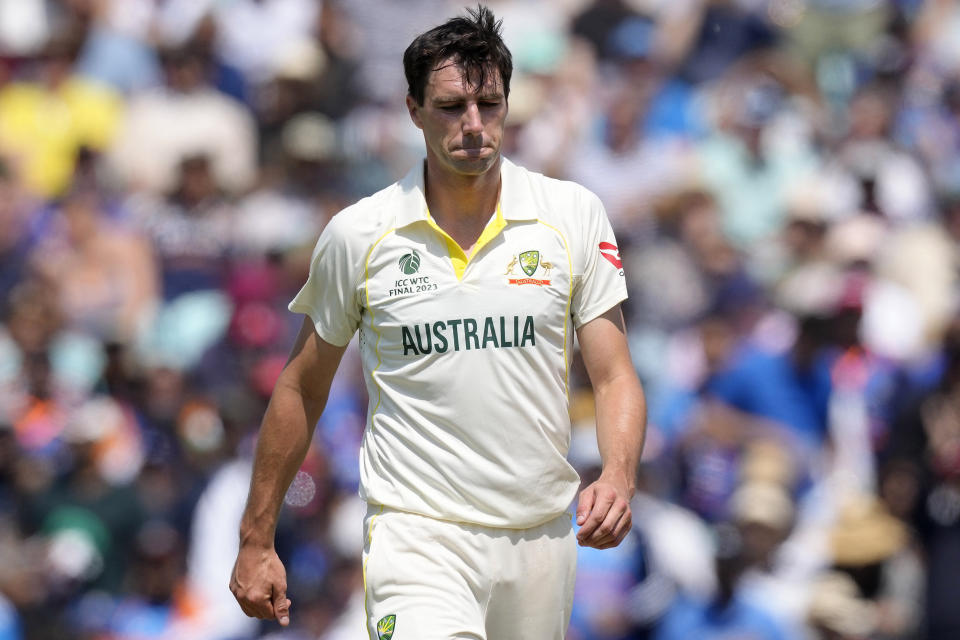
{"x":42,"y":128}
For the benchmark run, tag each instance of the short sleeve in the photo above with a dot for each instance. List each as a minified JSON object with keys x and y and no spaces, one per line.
{"x":601,"y":285}
{"x":330,"y":295}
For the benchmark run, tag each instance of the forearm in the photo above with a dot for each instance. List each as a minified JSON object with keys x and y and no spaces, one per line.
{"x":621,"y":426}
{"x":282,"y":445}
{"x":603,"y":509}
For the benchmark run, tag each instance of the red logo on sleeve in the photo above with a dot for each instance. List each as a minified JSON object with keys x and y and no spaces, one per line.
{"x":611,"y":253}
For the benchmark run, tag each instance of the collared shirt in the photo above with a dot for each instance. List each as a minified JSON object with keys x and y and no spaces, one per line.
{"x":466,"y":360}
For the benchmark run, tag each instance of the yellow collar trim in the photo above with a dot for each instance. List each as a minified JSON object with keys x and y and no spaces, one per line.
{"x":457,"y":255}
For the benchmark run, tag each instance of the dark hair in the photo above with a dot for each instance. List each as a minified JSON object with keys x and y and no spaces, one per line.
{"x":473,"y":43}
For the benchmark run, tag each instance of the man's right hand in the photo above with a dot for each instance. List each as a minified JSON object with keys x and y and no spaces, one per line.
{"x":259,"y":583}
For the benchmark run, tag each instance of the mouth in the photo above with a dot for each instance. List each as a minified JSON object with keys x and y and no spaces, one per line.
{"x":472,"y":152}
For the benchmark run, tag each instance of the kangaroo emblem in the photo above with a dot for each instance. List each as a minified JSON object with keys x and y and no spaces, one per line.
{"x":513,"y":263}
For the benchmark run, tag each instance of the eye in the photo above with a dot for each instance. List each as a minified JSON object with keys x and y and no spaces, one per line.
{"x":490,"y":104}
{"x":449,"y":108}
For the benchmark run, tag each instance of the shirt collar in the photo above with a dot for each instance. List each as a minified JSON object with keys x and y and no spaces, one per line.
{"x":516,"y":199}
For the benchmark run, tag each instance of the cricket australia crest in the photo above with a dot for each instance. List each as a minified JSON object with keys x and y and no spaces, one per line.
{"x":530,"y":263}
{"x":386,"y":626}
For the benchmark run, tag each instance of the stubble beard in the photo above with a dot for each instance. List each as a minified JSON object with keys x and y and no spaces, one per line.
{"x":473,"y":166}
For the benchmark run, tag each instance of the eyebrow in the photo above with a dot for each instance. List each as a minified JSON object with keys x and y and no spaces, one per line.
{"x":460,"y":98}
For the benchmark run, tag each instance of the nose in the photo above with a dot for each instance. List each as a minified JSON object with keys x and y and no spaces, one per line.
{"x":472,"y":123}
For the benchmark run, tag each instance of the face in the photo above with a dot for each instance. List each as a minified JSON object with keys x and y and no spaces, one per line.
{"x":462,"y":126}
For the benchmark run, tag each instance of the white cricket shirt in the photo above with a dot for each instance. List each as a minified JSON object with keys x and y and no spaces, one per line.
{"x":466,"y":361}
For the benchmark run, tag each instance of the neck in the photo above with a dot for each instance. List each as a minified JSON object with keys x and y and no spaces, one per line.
{"x":453,"y":197}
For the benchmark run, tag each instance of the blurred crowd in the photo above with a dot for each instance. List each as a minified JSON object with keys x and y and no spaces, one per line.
{"x":784,"y":180}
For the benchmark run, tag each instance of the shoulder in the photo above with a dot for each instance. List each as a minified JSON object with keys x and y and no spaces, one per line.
{"x":361,"y":224}
{"x":553,"y":194}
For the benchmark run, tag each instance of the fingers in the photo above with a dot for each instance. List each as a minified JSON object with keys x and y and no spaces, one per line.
{"x":585,"y":503}
{"x":608,"y":522}
{"x":256,"y":603}
{"x":618,"y":532}
{"x":281,"y":606}
{"x":601,"y":503}
{"x":263,"y":594}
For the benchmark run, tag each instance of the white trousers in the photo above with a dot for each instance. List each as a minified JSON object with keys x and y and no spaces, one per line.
{"x":428,"y":579}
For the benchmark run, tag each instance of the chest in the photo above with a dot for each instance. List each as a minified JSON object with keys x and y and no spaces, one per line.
{"x":525,"y":272}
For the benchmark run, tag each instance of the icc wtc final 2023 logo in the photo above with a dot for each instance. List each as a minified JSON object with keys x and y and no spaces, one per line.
{"x":410,"y":262}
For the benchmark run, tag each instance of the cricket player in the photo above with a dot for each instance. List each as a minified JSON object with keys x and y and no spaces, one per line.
{"x":466,"y":280}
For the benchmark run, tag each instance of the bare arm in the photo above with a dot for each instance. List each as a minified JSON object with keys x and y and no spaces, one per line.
{"x":259,"y":579}
{"x":604,"y":507}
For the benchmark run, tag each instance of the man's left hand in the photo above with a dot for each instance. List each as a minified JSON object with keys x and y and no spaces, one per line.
{"x":603,"y":513}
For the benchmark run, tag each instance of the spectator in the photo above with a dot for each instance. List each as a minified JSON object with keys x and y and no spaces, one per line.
{"x":837,"y":612}
{"x":251,"y":35}
{"x":41,"y":147}
{"x":159,"y":603}
{"x":185,"y":118}
{"x":191,"y":228}
{"x":728,"y":613}
{"x":874,"y":549}
{"x":106,"y":278}
{"x":919,"y":485}
{"x":15,"y":240}
{"x":117,"y":50}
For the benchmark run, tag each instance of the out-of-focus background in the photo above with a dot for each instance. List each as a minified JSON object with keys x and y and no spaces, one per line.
{"x":784,"y":179}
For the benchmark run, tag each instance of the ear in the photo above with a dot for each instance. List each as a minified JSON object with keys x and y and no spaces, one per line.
{"x":414,"y":109}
